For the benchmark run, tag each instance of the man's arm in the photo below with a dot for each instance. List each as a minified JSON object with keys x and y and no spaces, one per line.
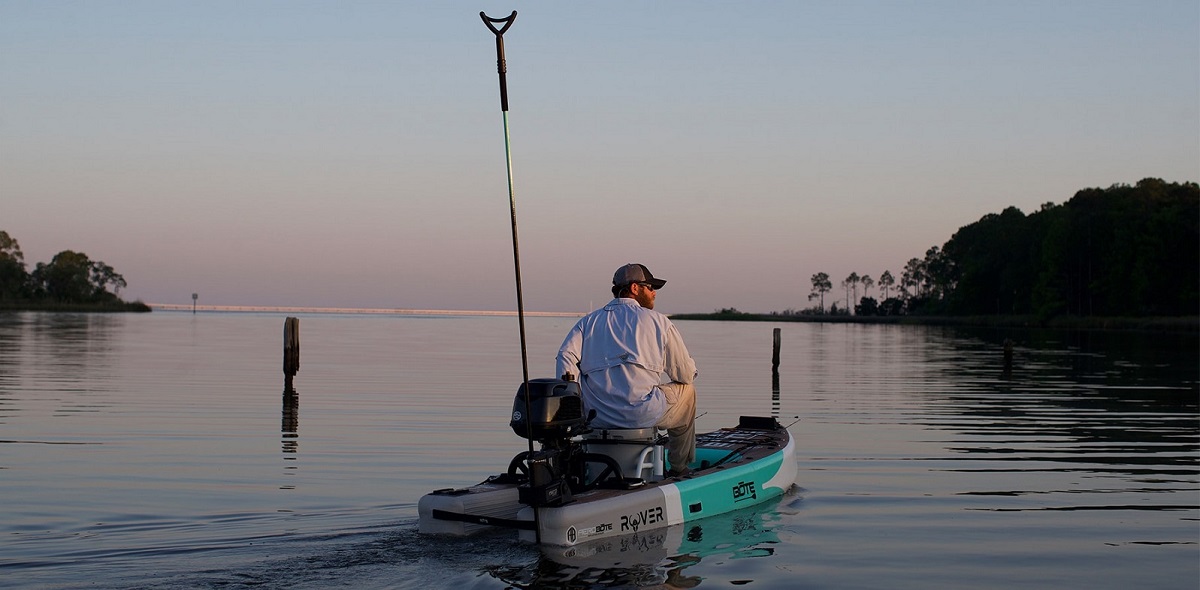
{"x":680,"y":366}
{"x":568,"y":357}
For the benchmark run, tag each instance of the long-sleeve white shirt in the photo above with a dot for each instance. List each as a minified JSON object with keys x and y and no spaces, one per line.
{"x":621,"y":353}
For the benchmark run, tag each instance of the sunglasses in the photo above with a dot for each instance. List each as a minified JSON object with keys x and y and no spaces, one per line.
{"x":648,"y":286}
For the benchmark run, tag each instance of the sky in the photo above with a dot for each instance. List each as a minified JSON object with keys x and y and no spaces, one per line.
{"x":351,"y":154}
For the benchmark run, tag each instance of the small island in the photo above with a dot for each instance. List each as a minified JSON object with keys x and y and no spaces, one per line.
{"x":69,"y":282}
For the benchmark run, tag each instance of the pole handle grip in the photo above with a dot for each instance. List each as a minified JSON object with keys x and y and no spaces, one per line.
{"x":501,"y":68}
{"x":489,"y":21}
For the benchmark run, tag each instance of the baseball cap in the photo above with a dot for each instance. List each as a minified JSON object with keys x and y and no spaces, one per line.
{"x":636,"y":273}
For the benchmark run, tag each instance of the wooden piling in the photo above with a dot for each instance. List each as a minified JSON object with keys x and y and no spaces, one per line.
{"x":775,"y":351}
{"x":291,"y":351}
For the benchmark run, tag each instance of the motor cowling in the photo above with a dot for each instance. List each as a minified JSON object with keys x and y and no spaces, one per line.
{"x":554,"y":410}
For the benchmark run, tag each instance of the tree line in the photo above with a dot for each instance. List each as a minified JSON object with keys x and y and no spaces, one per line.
{"x":1120,"y":251}
{"x":70,"y":279}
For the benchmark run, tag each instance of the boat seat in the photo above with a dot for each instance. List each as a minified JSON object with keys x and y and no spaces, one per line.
{"x":636,"y":450}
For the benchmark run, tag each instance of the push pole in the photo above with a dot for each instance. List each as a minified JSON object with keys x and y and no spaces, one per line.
{"x":502,"y":70}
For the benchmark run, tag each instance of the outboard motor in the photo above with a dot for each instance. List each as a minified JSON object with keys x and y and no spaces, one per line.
{"x":553,"y":415}
{"x":555,"y":411}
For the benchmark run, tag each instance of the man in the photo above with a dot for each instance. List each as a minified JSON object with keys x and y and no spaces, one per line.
{"x":633,"y":367}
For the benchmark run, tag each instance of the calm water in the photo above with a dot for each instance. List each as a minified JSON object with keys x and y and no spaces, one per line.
{"x":157,"y":451}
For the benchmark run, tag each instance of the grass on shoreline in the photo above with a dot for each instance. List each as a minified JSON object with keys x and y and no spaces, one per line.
{"x":111,"y":307}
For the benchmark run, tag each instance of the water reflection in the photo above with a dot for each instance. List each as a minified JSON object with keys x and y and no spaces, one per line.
{"x":10,"y":362}
{"x":290,"y":429}
{"x":658,"y":558}
{"x":75,"y":338}
{"x":291,"y":416}
{"x":72,"y":339}
{"x":59,"y":354}
{"x":1081,"y":465}
{"x":776,"y":344}
{"x":775,"y":393}
{"x":1091,"y":415}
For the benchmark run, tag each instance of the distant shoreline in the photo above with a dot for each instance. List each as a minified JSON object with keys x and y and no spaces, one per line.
{"x":52,"y":306}
{"x":1161,"y":324}
{"x":350,"y":310}
{"x":1180,"y":324}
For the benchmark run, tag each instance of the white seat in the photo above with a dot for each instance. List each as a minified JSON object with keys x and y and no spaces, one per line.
{"x":634,"y":449}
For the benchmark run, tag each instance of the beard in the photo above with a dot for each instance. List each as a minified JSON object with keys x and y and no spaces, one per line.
{"x":644,"y":299}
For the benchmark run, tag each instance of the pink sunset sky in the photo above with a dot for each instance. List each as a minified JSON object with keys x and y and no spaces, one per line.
{"x":351,"y":154}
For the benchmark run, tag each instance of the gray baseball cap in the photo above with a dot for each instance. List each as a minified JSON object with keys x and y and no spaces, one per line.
{"x":636,"y":273}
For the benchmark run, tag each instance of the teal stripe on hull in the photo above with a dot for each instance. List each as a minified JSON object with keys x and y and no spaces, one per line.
{"x":715,"y":492}
{"x":733,"y":488}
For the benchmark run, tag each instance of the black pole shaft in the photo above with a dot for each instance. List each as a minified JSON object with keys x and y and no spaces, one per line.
{"x":501,"y":70}
{"x":512,"y":207}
